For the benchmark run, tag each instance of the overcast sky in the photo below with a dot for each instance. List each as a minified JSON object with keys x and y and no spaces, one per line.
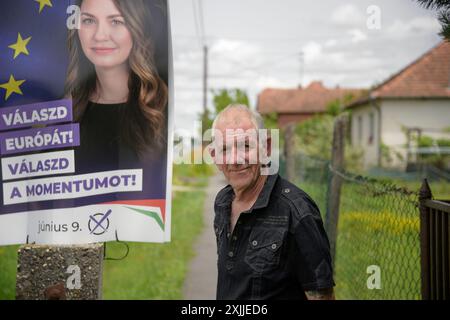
{"x":256,"y":44}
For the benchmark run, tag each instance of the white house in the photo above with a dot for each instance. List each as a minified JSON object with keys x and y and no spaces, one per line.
{"x":416,"y":100}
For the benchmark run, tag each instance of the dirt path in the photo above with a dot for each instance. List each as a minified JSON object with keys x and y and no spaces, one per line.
{"x":201,"y":280}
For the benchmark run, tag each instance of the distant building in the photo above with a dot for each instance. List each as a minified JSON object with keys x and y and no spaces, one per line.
{"x":297,"y":105}
{"x":416,"y":100}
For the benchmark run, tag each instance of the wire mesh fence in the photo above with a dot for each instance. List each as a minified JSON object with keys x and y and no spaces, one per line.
{"x":377,"y":243}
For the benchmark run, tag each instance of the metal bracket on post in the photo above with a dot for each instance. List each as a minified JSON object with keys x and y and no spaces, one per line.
{"x":28,"y":242}
{"x":118,"y":241}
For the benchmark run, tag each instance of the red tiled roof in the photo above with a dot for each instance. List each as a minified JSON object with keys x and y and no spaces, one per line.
{"x":312,"y":99}
{"x":428,"y":76}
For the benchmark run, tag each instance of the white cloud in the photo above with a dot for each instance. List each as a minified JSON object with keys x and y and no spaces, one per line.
{"x":357,"y":35}
{"x":312,"y":50}
{"x":234,"y":56}
{"x":269,"y":82}
{"x":419,"y":25}
{"x":348,"y":15}
{"x":330,"y":43}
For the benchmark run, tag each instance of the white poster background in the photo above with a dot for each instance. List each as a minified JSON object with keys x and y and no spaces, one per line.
{"x":77,"y":225}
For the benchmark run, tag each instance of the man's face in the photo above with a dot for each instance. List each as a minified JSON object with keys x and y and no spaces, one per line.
{"x":238,"y":159}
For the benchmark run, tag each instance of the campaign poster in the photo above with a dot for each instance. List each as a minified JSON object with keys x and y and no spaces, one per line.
{"x":85,"y":121}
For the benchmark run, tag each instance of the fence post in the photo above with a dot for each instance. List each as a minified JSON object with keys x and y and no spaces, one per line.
{"x":424,"y":195}
{"x":72,"y":272}
{"x":335,"y":183}
{"x":289,"y":142}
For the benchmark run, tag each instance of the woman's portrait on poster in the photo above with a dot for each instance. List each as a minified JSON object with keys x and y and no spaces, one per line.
{"x":117,"y":79}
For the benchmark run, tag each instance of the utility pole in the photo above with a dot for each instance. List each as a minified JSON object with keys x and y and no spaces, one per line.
{"x":205,"y":78}
{"x":302,"y":69}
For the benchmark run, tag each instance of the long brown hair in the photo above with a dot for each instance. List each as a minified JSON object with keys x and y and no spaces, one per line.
{"x":143,"y":125}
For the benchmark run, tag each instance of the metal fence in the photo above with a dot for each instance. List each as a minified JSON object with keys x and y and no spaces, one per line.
{"x":377,"y":244}
{"x":435,"y":245}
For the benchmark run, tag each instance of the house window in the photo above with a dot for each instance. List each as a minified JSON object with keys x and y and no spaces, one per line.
{"x":360,"y":130}
{"x":371,"y":128}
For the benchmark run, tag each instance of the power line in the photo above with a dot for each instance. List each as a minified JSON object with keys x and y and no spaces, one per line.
{"x":196,"y":22}
{"x":202,"y":24}
{"x":268,"y":39}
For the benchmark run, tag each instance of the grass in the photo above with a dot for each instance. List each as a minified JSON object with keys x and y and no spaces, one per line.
{"x":192,"y":175}
{"x":375,"y":228}
{"x":8,"y":265}
{"x":156,"y":271}
{"x":151,"y":271}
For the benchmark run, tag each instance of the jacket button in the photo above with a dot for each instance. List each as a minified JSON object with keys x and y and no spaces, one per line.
{"x":254,"y":243}
{"x":274,"y":246}
{"x":230,"y":254}
{"x":287,"y":190}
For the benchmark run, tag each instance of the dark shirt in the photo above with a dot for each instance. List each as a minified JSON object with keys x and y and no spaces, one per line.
{"x":100,"y":146}
{"x":102,"y":149}
{"x":278,"y":248}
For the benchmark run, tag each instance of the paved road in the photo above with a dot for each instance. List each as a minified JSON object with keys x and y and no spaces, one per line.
{"x":201,"y":281}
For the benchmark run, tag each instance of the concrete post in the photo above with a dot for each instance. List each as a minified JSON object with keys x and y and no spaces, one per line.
{"x":335,"y":184}
{"x":59,"y":272}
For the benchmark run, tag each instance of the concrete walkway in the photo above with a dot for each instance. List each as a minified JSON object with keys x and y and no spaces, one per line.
{"x":201,"y":280}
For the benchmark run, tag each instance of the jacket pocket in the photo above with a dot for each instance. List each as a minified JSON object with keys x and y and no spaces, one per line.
{"x":263,"y":251}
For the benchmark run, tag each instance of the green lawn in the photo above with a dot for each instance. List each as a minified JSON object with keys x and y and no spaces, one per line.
{"x":156,"y":271}
{"x":382,"y":230}
{"x":8,"y":264}
{"x":375,"y":228}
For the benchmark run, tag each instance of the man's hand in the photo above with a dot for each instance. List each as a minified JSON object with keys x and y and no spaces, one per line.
{"x":322,"y":294}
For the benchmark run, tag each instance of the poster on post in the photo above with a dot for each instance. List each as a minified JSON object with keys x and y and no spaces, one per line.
{"x":85,"y":120}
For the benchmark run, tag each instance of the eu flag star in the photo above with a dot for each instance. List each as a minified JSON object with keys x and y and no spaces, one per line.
{"x":20,"y":46}
{"x":43,"y":3}
{"x":12,"y":86}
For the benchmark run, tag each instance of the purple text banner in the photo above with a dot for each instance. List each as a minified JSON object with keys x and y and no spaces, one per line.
{"x":38,"y":139}
{"x":24,"y":116}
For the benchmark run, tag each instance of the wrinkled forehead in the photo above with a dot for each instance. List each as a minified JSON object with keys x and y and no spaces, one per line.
{"x":234,"y":121}
{"x":235,"y":128}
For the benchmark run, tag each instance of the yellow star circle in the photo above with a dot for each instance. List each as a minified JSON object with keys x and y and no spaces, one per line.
{"x":12,"y":86}
{"x":20,"y":46}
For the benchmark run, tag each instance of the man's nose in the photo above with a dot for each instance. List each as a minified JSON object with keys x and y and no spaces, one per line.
{"x":238,"y":155}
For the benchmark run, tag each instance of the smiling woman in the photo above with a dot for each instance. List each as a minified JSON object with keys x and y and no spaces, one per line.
{"x":118,"y":96}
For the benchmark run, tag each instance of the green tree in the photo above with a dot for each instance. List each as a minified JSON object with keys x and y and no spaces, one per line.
{"x":444,"y":14}
{"x":337,"y":106}
{"x":221,"y":99}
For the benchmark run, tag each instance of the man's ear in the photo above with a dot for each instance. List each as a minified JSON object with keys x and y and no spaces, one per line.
{"x":212,"y":151}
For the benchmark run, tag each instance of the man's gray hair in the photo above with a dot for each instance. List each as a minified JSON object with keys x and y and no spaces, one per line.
{"x":255,"y":117}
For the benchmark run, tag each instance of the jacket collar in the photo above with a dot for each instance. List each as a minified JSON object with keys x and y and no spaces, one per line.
{"x":263,"y":198}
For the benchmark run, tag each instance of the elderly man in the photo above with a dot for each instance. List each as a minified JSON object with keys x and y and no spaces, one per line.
{"x":271,"y":242}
